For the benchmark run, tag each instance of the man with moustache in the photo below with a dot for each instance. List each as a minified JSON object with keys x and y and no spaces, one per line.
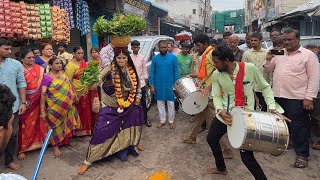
{"x":226,"y":36}
{"x":295,"y":85}
{"x":229,"y":79}
{"x":163,"y":74}
{"x":274,"y":36}
{"x":257,"y":55}
{"x":233,"y":44}
{"x":203,"y":72}
{"x":246,"y":46}
{"x":11,"y":75}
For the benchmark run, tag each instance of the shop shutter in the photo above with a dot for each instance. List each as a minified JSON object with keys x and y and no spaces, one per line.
{"x":74,"y":40}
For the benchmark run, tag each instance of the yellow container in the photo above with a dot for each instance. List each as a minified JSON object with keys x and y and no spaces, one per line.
{"x":120,"y":41}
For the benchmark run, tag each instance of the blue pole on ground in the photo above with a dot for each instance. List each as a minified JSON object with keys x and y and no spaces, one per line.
{"x":43,"y":149}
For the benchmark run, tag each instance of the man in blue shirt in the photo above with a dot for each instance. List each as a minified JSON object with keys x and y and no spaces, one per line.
{"x":11,"y":75}
{"x":163,"y":74}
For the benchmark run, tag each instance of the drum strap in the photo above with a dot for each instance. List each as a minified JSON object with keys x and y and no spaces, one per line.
{"x":239,"y":93}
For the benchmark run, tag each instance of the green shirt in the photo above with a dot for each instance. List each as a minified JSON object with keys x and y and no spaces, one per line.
{"x":222,"y":82}
{"x":184,"y":64}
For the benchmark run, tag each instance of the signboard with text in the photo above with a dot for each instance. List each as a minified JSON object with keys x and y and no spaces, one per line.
{"x":233,"y":14}
{"x":136,"y":7}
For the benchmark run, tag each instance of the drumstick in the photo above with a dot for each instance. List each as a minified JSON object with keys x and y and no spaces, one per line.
{"x":44,"y":146}
{"x":228,"y":105}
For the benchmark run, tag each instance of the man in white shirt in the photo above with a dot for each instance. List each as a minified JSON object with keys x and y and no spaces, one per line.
{"x":140,"y":64}
{"x":106,"y":56}
{"x":246,"y":46}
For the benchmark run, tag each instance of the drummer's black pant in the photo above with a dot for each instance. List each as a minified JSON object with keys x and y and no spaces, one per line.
{"x":216,"y":131}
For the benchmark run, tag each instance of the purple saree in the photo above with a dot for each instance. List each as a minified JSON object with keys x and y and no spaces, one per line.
{"x":115,"y":133}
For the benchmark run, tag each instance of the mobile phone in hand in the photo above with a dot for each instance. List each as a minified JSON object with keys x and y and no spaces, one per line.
{"x":277,"y":52}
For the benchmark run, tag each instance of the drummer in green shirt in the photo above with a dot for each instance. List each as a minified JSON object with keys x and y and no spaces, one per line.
{"x":184,"y":60}
{"x":235,"y":80}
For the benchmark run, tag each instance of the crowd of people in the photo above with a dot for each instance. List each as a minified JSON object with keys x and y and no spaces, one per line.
{"x":44,"y":91}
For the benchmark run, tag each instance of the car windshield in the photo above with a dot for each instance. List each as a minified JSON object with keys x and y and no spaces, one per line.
{"x":144,"y":46}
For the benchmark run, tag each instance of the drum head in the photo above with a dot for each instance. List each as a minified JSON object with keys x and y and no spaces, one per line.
{"x":194,"y":103}
{"x":237,"y":132}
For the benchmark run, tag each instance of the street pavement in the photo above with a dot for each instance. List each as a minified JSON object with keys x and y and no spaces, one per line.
{"x":163,"y":151}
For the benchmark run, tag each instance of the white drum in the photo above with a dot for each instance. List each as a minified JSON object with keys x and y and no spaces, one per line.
{"x":258,"y":131}
{"x":190,"y":99}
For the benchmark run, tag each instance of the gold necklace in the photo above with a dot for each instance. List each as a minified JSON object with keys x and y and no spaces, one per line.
{"x":54,"y":75}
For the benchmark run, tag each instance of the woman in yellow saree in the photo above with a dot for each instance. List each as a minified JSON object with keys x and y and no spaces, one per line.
{"x":84,"y":95}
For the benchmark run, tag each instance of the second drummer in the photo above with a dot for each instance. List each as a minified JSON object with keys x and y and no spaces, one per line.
{"x":202,"y":68}
{"x":184,"y":60}
{"x":237,"y":81}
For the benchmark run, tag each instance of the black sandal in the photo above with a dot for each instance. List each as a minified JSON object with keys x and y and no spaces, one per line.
{"x":301,"y":162}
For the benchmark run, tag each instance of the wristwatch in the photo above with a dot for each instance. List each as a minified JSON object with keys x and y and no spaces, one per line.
{"x":26,"y":103}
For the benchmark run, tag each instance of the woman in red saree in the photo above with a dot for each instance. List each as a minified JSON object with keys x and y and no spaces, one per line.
{"x":84,"y":94}
{"x":32,"y":130}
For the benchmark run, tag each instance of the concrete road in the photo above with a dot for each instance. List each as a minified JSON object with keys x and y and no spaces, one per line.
{"x":163,"y":151}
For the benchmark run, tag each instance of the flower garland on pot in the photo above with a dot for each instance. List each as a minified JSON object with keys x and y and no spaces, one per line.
{"x":117,"y":81}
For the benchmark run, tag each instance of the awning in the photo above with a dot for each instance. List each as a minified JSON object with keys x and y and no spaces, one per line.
{"x":184,"y":35}
{"x":309,"y":9}
{"x":174,"y":25}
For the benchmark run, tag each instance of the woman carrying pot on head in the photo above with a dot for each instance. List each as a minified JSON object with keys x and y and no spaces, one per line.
{"x":119,"y":126}
{"x":57,"y":105}
{"x":32,"y":130}
{"x":83,"y":94}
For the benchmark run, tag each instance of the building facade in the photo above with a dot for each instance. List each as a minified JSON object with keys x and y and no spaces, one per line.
{"x":230,"y":20}
{"x":260,"y":12}
{"x":193,"y":13}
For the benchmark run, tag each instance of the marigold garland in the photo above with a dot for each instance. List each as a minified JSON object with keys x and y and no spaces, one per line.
{"x":117,"y":82}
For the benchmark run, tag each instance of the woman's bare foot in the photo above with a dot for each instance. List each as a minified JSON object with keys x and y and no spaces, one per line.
{"x":14,"y":166}
{"x":83,"y":169}
{"x":215,"y":171}
{"x":56,"y":151}
{"x":22,"y":156}
{"x":140,"y":147}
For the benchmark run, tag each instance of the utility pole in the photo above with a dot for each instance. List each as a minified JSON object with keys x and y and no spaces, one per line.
{"x":204,"y":15}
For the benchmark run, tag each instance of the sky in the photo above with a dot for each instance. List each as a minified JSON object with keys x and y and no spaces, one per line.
{"x":221,"y":5}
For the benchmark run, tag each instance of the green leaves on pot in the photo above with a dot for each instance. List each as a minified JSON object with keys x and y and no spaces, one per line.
{"x":100,"y":26}
{"x":90,"y":74}
{"x":119,"y":25}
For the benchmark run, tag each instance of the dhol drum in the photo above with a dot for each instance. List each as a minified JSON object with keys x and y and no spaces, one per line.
{"x":258,"y":131}
{"x":189,"y":97}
